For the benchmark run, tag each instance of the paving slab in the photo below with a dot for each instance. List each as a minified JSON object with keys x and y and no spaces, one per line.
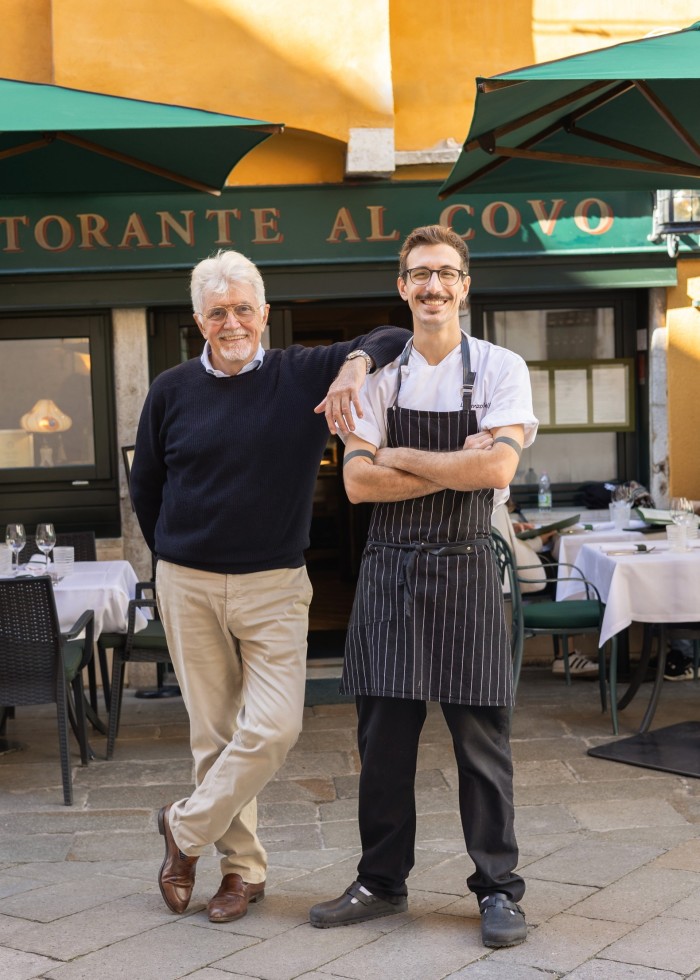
{"x":594,"y":862}
{"x":610,"y":854}
{"x":663,"y":943}
{"x":434,"y":947}
{"x":563,"y":943}
{"x":641,"y":895}
{"x":15,"y":965}
{"x":164,"y":953}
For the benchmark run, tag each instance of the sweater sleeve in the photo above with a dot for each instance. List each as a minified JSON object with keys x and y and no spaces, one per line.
{"x":383,"y":344}
{"x":321,"y":364}
{"x":148,"y":471}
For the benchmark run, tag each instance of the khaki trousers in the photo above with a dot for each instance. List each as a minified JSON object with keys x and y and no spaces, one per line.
{"x":238,"y":646}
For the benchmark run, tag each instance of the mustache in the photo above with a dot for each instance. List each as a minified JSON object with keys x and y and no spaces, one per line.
{"x":440,"y":296}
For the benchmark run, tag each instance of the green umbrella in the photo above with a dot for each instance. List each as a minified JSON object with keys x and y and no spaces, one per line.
{"x":621,"y":118}
{"x":55,"y":139}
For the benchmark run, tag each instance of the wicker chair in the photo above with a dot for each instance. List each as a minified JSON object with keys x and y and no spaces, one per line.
{"x":38,"y":663}
{"x":82,"y":541}
{"x":85,"y":547}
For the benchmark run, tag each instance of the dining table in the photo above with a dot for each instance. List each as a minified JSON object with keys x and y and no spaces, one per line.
{"x":639,"y":583}
{"x":106,"y":587}
{"x":571,"y":540}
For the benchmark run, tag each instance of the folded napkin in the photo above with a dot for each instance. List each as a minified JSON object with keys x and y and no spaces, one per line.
{"x":37,"y":565}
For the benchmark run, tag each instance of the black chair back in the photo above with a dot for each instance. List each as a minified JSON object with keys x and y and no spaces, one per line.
{"x":83,"y":542}
{"x":36,"y":660}
{"x":30,"y":643}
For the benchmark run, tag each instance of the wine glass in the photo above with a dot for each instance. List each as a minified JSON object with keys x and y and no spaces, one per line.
{"x":45,"y":540}
{"x":16,"y":539}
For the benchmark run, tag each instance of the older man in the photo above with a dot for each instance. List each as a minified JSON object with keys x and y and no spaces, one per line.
{"x":227,"y":453}
{"x":443,"y":426}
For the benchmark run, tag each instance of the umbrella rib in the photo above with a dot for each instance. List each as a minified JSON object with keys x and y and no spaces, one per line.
{"x":25,"y":147}
{"x":668,"y":117}
{"x":675,"y":168}
{"x":625,"y":147}
{"x":487,"y":142}
{"x":135,"y":162}
{"x":550,"y":107}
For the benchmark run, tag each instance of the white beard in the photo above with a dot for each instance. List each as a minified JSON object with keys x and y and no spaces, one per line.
{"x":239,"y":350}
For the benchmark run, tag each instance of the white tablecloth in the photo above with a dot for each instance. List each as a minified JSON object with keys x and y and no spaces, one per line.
{"x":105,"y":587}
{"x":658,"y":587}
{"x":570,"y":543}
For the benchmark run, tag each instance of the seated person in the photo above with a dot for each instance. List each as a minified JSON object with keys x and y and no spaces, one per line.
{"x":531,"y":556}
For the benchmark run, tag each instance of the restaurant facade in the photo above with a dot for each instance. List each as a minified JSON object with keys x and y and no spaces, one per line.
{"x":94,"y":295}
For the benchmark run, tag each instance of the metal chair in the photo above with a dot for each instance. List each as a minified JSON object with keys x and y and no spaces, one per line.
{"x":547,"y":617}
{"x":145,"y":646}
{"x":661,"y":632}
{"x":38,"y":662}
{"x":511,"y":590}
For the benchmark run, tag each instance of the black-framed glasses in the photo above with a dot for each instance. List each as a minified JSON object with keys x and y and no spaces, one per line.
{"x":421,"y":276}
{"x":243,"y":312}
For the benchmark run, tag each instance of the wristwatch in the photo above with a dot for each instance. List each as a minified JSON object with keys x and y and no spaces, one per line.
{"x":361,"y":353}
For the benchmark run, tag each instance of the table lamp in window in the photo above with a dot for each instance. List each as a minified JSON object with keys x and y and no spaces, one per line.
{"x":47,"y":419}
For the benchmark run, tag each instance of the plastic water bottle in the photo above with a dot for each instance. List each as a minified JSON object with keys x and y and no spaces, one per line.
{"x":544,"y":493}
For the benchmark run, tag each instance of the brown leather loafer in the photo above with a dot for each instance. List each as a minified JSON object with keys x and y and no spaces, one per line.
{"x":231,"y":900}
{"x":176,"y":875}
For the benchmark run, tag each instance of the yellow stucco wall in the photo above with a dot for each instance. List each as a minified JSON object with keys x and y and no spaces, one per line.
{"x":299,"y":63}
{"x":437,"y":51}
{"x":25,"y":40}
{"x":322,"y":67}
{"x":683,"y":332}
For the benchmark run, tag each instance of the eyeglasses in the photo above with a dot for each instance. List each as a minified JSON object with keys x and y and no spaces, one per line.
{"x":420,"y":276}
{"x":243,"y":312}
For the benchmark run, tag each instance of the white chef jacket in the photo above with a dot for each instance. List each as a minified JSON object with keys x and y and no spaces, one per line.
{"x":502,"y":393}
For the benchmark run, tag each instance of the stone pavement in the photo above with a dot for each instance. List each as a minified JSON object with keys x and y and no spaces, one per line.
{"x":610,"y":853}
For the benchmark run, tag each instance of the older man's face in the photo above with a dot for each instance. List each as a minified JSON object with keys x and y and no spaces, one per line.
{"x":235,"y":338}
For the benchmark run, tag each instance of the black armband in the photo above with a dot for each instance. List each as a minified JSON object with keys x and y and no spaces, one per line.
{"x":510,"y":442}
{"x":357,"y":452}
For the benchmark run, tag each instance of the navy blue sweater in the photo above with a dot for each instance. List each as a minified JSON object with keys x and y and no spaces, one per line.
{"x":225,"y":468}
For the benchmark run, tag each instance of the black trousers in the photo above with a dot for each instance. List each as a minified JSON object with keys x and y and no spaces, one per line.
{"x":388,"y":734}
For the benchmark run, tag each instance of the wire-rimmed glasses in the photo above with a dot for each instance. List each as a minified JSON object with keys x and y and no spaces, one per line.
{"x":243,"y":312}
{"x":421,"y":275}
{"x":15,"y":538}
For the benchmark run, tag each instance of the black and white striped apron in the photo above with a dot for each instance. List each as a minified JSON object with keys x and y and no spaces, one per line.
{"x":428,"y":622}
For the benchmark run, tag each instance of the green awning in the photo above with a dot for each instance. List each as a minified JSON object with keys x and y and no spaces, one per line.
{"x":63,"y":140}
{"x":620,"y":118}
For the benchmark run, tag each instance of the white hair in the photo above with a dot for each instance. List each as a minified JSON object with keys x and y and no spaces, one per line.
{"x":221,"y":271}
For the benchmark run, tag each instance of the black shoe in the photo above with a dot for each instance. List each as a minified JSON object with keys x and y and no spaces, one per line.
{"x":678,"y":667}
{"x":355,"y":905}
{"x":502,"y":921}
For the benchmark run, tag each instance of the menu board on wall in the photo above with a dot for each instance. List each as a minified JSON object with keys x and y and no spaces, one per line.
{"x":583,"y":396}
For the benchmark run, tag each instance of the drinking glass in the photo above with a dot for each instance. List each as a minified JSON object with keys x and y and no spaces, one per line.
{"x":16,"y":539}
{"x":45,"y":539}
{"x":682,"y":511}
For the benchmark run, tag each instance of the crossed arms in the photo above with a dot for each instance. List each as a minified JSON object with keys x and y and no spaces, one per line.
{"x":403,"y":474}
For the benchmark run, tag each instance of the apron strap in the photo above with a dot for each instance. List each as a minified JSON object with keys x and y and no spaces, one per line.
{"x":468,"y":376}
